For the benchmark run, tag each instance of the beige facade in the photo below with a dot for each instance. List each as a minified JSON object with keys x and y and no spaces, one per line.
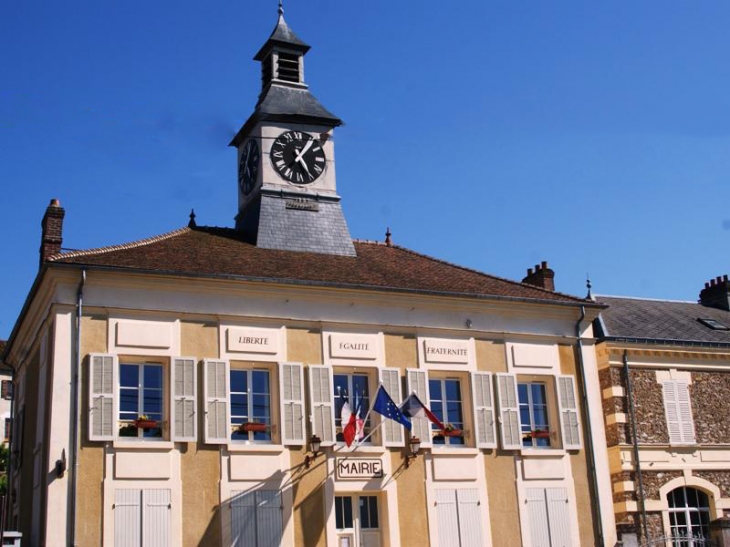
{"x":202,"y":481}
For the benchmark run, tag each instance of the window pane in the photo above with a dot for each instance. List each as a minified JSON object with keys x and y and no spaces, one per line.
{"x":434,"y":390}
{"x":538,"y":394}
{"x":453,"y":390}
{"x":522,"y":393}
{"x":239,"y":382}
{"x":347,"y":510}
{"x":364,"y":516}
{"x":373,"y":502}
{"x":129,"y":375}
{"x":153,"y":376}
{"x":260,"y":381}
{"x":129,"y":401}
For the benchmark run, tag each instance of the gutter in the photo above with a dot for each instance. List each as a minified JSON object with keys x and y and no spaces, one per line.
{"x":8,"y":472}
{"x":71,"y":526}
{"x":635,"y":446}
{"x":590,"y":455}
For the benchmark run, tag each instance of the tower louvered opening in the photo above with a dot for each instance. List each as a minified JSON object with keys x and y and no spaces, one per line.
{"x":287,"y":68}
{"x":266,"y":71}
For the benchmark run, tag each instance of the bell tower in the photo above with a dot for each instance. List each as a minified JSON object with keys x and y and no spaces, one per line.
{"x":287,"y":196}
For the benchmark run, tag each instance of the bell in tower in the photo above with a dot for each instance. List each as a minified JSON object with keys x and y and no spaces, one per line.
{"x":287,"y":195}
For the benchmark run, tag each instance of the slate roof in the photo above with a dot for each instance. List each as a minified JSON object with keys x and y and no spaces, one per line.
{"x":660,"y":320}
{"x":221,"y":252}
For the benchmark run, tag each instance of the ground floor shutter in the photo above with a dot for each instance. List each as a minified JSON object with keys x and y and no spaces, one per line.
{"x":127,"y":518}
{"x":256,"y":519}
{"x":548,"y":516}
{"x":459,"y":520}
{"x":448,"y":517}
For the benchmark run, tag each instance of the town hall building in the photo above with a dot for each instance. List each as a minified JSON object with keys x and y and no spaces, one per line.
{"x":189,"y":388}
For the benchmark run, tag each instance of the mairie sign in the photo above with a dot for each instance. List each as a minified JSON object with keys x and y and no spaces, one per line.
{"x":359,"y":468}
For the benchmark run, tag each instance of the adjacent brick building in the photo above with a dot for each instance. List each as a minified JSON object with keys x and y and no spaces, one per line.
{"x":664,"y":368}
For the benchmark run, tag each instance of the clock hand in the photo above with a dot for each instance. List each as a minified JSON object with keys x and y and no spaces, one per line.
{"x":304,"y":164}
{"x":307,"y":146}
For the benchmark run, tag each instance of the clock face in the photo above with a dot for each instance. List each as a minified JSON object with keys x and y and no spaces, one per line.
{"x":248,"y":166}
{"x":298,"y":157}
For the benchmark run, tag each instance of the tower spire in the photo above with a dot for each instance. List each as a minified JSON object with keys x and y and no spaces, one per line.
{"x":281,"y":7}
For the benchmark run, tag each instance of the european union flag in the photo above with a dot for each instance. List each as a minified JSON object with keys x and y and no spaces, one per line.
{"x":384,"y":405}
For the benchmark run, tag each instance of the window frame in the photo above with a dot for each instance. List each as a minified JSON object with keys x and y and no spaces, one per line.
{"x":250,"y":367}
{"x":372,"y":377}
{"x":527,"y":430}
{"x":443,"y":440}
{"x":164,"y":422}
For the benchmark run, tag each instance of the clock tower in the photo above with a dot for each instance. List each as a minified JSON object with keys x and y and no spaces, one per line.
{"x":287,"y":196}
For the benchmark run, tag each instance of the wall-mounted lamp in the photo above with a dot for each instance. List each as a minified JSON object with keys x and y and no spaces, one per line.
{"x":314,"y":444}
{"x":415,"y":447}
{"x":468,"y":323}
{"x":60,"y":467}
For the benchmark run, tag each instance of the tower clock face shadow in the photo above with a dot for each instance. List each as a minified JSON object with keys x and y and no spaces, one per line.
{"x":298,"y":157}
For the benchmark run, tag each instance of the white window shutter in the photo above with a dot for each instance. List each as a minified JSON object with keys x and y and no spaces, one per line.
{"x":684,"y":408}
{"x":569,"y":415}
{"x":448,"y":517}
{"x":537,"y":516}
{"x":291,"y":388}
{"x":672,"y":412}
{"x":470,"y":518}
{"x":216,"y":376}
{"x":417,"y":382}
{"x":321,"y":406}
{"x":156,"y":511}
{"x":184,"y":382}
{"x":390,"y":378}
{"x":510,"y":427}
{"x":127,"y":517}
{"x":483,"y":405}
{"x":558,"y":516}
{"x":102,"y":396}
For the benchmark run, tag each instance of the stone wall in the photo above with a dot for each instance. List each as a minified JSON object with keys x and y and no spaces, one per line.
{"x":710,"y":396}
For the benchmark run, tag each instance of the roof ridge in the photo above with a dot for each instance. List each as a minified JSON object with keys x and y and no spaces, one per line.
{"x":120,"y":247}
{"x":478,"y":272}
{"x":647,"y":299}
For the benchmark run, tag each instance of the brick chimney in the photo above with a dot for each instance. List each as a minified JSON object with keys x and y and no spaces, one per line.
{"x":52,"y":230}
{"x":541,"y":276}
{"x":716,"y":293}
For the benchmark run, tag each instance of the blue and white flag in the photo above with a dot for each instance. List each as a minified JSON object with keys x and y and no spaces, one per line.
{"x":384,"y":405}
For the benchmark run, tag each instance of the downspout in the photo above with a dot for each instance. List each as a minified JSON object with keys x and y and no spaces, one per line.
{"x":590,"y":456}
{"x":75,"y":413}
{"x":635,"y":446}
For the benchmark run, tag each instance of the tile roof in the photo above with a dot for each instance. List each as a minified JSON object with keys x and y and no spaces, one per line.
{"x":661,"y":320}
{"x":215,"y":252}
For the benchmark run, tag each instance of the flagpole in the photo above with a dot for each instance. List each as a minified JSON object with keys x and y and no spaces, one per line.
{"x":382,"y":422}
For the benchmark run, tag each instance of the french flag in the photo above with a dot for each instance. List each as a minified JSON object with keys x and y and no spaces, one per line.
{"x":414,"y":408}
{"x":349,"y":424}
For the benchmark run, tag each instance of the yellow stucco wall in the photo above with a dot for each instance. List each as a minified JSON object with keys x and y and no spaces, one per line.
{"x":90,"y":504}
{"x":412,"y":510}
{"x":504,"y":519}
{"x":491,"y":356}
{"x":400,"y":351}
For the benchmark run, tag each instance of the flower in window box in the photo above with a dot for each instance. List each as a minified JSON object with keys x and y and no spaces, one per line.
{"x":540,"y":434}
{"x":144,"y":422}
{"x":450,"y":431}
{"x":255,"y":427}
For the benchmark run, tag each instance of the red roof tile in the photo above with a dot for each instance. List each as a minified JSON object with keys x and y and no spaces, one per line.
{"x":221,"y":252}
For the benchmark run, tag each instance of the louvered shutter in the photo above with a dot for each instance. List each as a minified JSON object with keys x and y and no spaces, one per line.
{"x":483,"y":405}
{"x":390,"y":378}
{"x":470,"y":521}
{"x":102,"y":400}
{"x":243,"y":519}
{"x":537,"y":517}
{"x":417,"y":381}
{"x":558,"y":516}
{"x":510,"y":427}
{"x":448,"y":517}
{"x":216,"y":378}
{"x":684,"y":408}
{"x":184,"y":384}
{"x":568,"y":408}
{"x":269,"y":517}
{"x":291,"y":387}
{"x":321,"y":406}
{"x":156,"y":517}
{"x":127,"y":518}
{"x":672,"y":411}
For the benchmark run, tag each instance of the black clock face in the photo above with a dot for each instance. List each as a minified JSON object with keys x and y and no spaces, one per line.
{"x":248,"y":166}
{"x":298,"y":157}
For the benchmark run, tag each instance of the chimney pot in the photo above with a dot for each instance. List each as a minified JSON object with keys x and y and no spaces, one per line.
{"x":541,"y":276}
{"x":544,"y":264}
{"x":51,"y":230}
{"x":529,"y":271}
{"x":716,"y":293}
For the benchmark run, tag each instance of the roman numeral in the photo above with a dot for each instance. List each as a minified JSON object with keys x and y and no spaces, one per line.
{"x":298,"y":136}
{"x":278,"y":153}
{"x":300,"y":178}
{"x":320,"y":159}
{"x":288,"y":137}
{"x":288,"y":173}
{"x":318,"y":169}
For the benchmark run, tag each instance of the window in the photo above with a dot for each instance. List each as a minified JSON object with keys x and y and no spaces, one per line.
{"x":354,"y":390}
{"x":357,"y":521}
{"x":534,"y":409}
{"x":6,"y":389}
{"x":459,"y":517}
{"x":678,"y":411}
{"x":6,"y":433}
{"x":250,"y":401}
{"x":445,"y":396}
{"x":142,"y":518}
{"x":256,"y":518}
{"x":712,"y":323}
{"x":534,"y":414}
{"x":138,"y":399}
{"x":141,"y":396}
{"x":689,"y":516}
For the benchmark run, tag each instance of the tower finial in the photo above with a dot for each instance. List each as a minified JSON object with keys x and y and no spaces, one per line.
{"x":589,"y":286}
{"x":388,"y":240}
{"x":281,"y":7}
{"x":192,"y":223}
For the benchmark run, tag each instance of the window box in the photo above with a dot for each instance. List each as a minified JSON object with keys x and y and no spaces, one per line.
{"x":252,"y":427}
{"x":146,"y":424}
{"x":451,"y":431}
{"x":540,"y":434}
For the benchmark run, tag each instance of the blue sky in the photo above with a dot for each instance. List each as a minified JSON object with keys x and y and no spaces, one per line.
{"x":491,"y":134}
